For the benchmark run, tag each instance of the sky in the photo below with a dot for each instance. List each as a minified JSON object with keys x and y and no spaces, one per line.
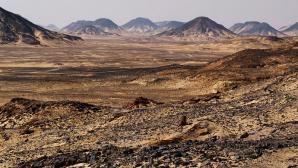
{"x":226,"y":12}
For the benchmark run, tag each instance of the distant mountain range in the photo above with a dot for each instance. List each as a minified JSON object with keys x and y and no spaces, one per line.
{"x":16,"y":29}
{"x":255,"y":29}
{"x":105,"y":27}
{"x":199,"y":28}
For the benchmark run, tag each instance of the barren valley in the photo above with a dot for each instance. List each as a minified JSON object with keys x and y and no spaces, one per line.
{"x":105,"y":71}
{"x":151,"y":103}
{"x":147,"y":94}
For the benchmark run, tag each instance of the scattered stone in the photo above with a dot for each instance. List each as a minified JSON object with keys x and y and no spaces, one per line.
{"x":244,"y":135}
{"x":178,"y":154}
{"x":183,"y":121}
{"x":5,"y":136}
{"x":233,"y":156}
{"x":26,"y":131}
{"x":142,"y":102}
{"x":204,"y":98}
{"x":128,"y":152}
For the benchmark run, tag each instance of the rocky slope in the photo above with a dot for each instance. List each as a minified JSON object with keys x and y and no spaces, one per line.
{"x":98,"y":27}
{"x":292,"y":30}
{"x":255,"y":29}
{"x":140,"y":26}
{"x":247,"y":119}
{"x":199,"y":28}
{"x":16,"y":29}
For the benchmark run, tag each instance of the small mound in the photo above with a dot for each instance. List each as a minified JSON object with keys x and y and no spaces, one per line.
{"x":20,"y":111}
{"x":17,"y":105}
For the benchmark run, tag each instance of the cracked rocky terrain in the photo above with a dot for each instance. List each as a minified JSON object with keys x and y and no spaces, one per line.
{"x":240,"y":110}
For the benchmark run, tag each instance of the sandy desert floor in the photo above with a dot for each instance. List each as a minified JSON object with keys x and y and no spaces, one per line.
{"x":100,"y":71}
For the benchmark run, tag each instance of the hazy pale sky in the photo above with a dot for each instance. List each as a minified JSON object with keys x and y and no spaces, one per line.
{"x":227,"y":12}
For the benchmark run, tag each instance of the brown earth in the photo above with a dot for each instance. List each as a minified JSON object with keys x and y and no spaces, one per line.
{"x":240,"y":110}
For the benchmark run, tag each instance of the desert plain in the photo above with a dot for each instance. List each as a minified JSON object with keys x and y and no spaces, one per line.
{"x":128,"y":102}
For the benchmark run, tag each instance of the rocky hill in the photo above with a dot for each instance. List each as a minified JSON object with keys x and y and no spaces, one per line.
{"x":98,"y":27}
{"x":90,"y":31}
{"x":200,"y":28}
{"x":140,"y":26}
{"x":255,"y":29}
{"x":16,"y":29}
{"x":107,"y":25}
{"x":292,"y":30}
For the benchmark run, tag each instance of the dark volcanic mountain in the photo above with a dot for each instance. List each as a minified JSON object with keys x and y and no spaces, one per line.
{"x":16,"y":29}
{"x":168,"y":25}
{"x":102,"y":24}
{"x":106,"y":25}
{"x":255,"y":29}
{"x":200,"y":28}
{"x":140,"y":25}
{"x":292,"y":30}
